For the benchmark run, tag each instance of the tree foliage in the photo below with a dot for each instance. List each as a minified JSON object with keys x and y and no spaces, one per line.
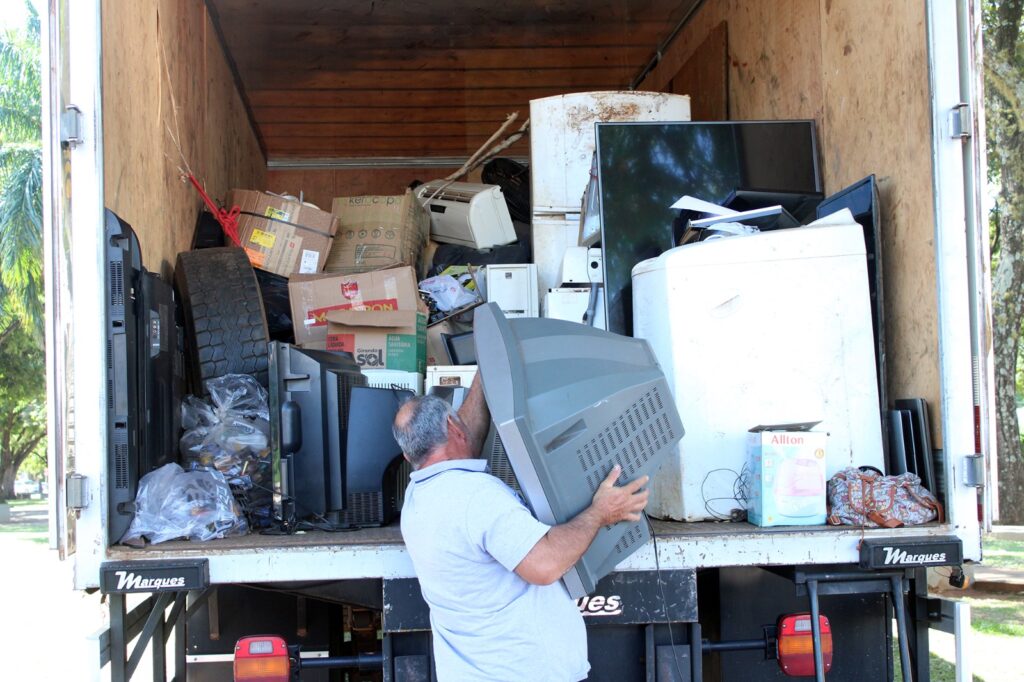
{"x":21,"y":177}
{"x":22,"y":362}
{"x":1004,"y":102}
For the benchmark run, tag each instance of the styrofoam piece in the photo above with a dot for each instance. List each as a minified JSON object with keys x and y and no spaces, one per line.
{"x":450,"y":375}
{"x":562,"y":139}
{"x":393,"y":378}
{"x":772,"y":328}
{"x":551,"y":238}
{"x":570,"y":304}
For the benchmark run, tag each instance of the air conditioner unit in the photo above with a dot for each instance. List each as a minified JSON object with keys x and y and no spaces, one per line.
{"x":467,"y":213}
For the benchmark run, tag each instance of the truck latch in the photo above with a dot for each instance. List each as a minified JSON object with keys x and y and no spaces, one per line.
{"x":974,"y":470}
{"x":75,"y":492}
{"x":71,"y":126}
{"x":961,"y":121}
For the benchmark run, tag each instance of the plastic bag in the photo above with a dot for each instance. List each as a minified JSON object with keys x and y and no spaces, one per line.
{"x":173,"y":503}
{"x":231,"y":434}
{"x":447,"y":293}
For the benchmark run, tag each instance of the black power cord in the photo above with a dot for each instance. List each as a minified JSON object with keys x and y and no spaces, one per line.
{"x":664,"y":600}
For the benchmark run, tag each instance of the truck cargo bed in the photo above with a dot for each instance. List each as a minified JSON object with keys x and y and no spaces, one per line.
{"x":380,"y":553}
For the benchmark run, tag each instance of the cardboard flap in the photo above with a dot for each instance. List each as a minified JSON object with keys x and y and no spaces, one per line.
{"x":373,"y":318}
{"x":800,"y":426}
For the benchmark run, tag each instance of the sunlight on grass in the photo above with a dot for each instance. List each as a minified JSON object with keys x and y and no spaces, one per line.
{"x":1003,"y":554}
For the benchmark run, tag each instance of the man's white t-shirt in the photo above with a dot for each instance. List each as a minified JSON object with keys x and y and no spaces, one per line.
{"x":466,"y":531}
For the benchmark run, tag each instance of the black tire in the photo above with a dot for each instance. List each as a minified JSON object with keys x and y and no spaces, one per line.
{"x":225,"y":324}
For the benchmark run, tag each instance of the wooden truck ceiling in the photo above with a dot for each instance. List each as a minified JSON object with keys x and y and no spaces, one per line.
{"x":425,"y":78}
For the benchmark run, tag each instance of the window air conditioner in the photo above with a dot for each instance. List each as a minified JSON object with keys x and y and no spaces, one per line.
{"x":467,"y":213}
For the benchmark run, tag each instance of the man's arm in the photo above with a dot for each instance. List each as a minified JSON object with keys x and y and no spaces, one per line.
{"x":475,"y":416}
{"x":564,"y":544}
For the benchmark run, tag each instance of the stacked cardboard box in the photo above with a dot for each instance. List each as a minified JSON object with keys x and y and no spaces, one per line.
{"x":377,"y":232}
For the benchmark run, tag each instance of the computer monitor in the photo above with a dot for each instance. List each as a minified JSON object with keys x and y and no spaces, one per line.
{"x":373,"y":483}
{"x":310,"y":394}
{"x":569,"y":402}
{"x":643,"y":168}
{"x":144,"y":372}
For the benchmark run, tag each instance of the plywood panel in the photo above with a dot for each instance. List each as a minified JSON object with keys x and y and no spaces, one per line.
{"x":321,"y":186}
{"x":877,"y":119}
{"x":165,"y":78}
{"x":774,"y":56}
{"x":705,"y":78}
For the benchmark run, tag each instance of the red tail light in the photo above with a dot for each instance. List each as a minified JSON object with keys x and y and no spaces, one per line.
{"x":262,"y":659}
{"x":796,"y":644}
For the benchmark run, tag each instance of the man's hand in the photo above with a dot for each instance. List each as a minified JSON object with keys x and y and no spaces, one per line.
{"x":564,"y":544}
{"x":614,"y":503}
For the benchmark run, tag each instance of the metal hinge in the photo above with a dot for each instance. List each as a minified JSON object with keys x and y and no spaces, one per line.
{"x":71,"y":126}
{"x":974,"y":470}
{"x":961,"y":121}
{"x":75,"y":492}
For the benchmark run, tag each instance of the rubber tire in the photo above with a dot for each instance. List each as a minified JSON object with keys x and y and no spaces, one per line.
{"x":225,"y":324}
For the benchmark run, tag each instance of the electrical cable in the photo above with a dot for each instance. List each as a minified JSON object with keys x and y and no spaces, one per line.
{"x":664,"y":600}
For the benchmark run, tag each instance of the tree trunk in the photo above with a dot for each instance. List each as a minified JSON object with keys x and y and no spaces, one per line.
{"x":7,"y":475}
{"x":1006,"y":135}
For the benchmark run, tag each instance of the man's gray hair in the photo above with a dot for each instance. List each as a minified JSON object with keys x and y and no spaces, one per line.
{"x":424,"y":428}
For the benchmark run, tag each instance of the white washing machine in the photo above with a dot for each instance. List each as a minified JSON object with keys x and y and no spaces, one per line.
{"x":773,"y":328}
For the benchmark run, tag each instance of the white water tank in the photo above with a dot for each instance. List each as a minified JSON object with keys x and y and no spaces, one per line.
{"x":773,"y":328}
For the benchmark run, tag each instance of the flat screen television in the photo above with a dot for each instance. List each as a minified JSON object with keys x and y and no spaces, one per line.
{"x":569,"y":402}
{"x":310,"y":393}
{"x":144,"y":372}
{"x":643,"y":168}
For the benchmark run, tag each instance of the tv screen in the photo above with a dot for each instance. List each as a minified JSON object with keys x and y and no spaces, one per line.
{"x":569,"y":402}
{"x":643,"y":168}
{"x":144,"y":381}
{"x":310,"y":393}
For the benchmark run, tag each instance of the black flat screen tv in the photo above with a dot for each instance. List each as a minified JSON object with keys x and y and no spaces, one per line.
{"x":643,"y":168}
{"x":144,"y":373}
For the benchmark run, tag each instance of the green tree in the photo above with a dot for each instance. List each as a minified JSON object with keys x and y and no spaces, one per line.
{"x":21,"y":176}
{"x":22,"y":405}
{"x":22,"y":369}
{"x":1004,"y":101}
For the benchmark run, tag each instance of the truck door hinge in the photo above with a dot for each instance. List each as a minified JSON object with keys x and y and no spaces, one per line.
{"x":75,"y":492}
{"x":961,"y":121}
{"x":71,"y":126}
{"x":974,"y":470}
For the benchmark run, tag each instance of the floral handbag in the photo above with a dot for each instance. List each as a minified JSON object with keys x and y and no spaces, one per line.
{"x":865,"y":497}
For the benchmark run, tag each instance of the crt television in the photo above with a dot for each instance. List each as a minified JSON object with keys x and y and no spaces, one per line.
{"x":310,"y":392}
{"x":144,"y":372}
{"x":569,"y":402}
{"x":643,"y":168}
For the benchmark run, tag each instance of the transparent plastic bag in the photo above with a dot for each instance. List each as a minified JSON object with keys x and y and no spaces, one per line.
{"x":447,"y":292}
{"x":231,"y":435}
{"x":173,"y":503}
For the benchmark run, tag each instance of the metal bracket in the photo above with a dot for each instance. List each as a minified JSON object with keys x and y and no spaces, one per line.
{"x":974,"y":470}
{"x":75,"y":491}
{"x":71,"y":126}
{"x":961,"y":121}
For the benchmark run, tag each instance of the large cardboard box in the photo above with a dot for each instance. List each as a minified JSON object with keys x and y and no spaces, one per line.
{"x":280,"y":235}
{"x":377,"y":232}
{"x":312,"y":297}
{"x":786,"y":483}
{"x":381,"y":339}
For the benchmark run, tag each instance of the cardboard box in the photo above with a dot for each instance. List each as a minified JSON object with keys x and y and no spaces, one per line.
{"x":280,"y":235}
{"x":786,"y":480}
{"x":312,"y":297}
{"x":377,"y":232}
{"x":381,"y":339}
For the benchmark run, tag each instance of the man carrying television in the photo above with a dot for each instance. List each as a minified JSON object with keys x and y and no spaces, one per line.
{"x":488,"y":569}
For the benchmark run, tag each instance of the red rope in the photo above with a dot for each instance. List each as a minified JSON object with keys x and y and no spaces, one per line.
{"x":228,"y":218}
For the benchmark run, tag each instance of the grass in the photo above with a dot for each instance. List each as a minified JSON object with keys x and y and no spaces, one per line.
{"x":24,"y":503}
{"x":998,"y":616}
{"x":1003,"y":553}
{"x":939,"y":668}
{"x":37,"y":527}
